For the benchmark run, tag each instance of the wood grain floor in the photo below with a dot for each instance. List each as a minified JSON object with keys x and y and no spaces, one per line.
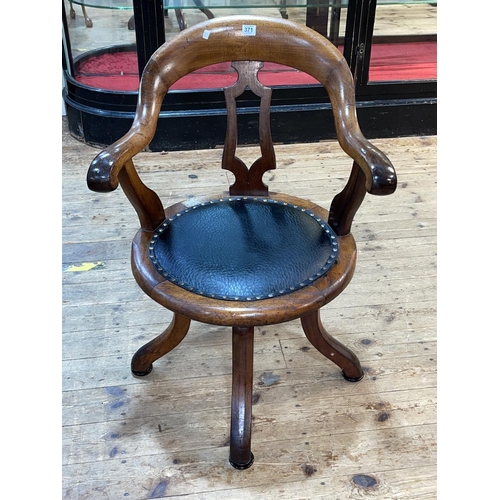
{"x":315,"y":436}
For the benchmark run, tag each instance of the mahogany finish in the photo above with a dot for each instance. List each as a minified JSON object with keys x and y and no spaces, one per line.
{"x":331,"y":348}
{"x":240,"y":455}
{"x":248,"y":181}
{"x":211,"y":42}
{"x":143,"y":359}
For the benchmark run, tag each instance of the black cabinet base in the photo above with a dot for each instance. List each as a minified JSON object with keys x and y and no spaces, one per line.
{"x":203,"y":126}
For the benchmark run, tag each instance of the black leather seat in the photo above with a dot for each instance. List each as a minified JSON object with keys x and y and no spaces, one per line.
{"x":243,"y":248}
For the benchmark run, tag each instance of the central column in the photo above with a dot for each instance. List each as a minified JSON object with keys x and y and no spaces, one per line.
{"x":240,"y":455}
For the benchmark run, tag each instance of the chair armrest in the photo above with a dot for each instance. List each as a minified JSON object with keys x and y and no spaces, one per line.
{"x":380,"y":174}
{"x":102,"y":175}
{"x":104,"y":170}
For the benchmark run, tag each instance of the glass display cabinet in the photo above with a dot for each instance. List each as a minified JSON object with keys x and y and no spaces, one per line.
{"x":390,"y":46}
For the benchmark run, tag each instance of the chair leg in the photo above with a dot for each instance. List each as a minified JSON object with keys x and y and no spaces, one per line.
{"x":283,"y":11}
{"x":203,"y":9}
{"x":240,"y":455}
{"x":331,"y":348}
{"x":88,"y":21}
{"x":142,"y":361}
{"x":181,"y":20}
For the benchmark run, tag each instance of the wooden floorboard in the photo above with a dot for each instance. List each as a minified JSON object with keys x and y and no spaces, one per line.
{"x":315,"y":435}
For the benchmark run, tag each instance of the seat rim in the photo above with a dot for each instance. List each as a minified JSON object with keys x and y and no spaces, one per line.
{"x":259,"y":312}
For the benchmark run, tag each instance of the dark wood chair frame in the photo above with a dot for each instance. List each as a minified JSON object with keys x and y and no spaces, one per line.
{"x":214,"y":41}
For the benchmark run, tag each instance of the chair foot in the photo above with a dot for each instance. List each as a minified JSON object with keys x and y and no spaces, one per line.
{"x":332,"y":349}
{"x":143,"y":359}
{"x":144,"y":373}
{"x":242,"y":466}
{"x":352,"y":379}
{"x":240,"y":456}
{"x":131,"y":23}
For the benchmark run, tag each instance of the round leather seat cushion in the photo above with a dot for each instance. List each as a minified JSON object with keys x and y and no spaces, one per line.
{"x":243,"y":248}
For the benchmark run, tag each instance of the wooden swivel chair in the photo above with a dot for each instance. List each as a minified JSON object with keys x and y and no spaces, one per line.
{"x":247,"y":257}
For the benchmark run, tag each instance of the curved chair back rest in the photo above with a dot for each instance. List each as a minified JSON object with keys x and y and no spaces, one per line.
{"x":275,"y":40}
{"x":220,"y":40}
{"x":224,"y":39}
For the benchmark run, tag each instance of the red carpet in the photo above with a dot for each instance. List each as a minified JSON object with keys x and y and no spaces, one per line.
{"x":389,"y":62}
{"x":403,"y":61}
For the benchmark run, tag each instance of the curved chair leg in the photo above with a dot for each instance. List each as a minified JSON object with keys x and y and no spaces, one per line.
{"x":142,"y":361}
{"x":88,"y":21}
{"x":283,"y":11}
{"x":181,"y":20}
{"x":240,"y":455}
{"x":331,"y":348}
{"x":203,"y":9}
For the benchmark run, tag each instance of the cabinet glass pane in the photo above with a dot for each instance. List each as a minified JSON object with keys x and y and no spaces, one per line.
{"x":102,"y":45}
{"x":102,"y":38}
{"x":404,"y":41}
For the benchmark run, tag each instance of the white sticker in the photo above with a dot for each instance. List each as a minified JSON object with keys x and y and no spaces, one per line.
{"x":249,"y":30}
{"x":206,"y":34}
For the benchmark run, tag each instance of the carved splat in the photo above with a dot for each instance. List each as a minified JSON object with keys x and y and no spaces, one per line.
{"x":248,"y":180}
